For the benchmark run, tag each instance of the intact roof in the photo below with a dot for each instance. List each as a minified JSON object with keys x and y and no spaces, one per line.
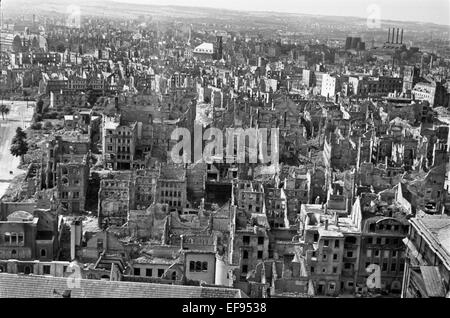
{"x":206,"y":48}
{"x":440,"y":229}
{"x":29,"y":286}
{"x":433,"y":281}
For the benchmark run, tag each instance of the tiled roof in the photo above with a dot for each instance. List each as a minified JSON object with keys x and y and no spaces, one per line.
{"x":433,"y":281}
{"x":28,"y":286}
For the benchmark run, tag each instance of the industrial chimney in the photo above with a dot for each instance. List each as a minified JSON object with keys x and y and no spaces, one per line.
{"x":398,"y":30}
{"x":401,"y":37}
{"x":389,"y":35}
{"x":392,"y":39}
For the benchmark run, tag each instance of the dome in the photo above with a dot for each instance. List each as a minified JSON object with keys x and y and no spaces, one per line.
{"x":19,"y":216}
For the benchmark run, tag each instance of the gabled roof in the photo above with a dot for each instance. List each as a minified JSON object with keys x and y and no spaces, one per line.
{"x":28,"y":286}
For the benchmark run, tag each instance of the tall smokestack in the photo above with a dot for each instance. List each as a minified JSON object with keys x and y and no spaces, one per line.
{"x":401,"y":37}
{"x":389,"y":35}
{"x":393,"y":34}
{"x":398,"y":30}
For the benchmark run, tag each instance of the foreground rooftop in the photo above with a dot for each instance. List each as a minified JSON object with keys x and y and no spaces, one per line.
{"x":29,"y":286}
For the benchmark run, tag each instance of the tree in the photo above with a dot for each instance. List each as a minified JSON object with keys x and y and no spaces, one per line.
{"x":19,"y":146}
{"x":39,"y":106}
{"x":35,"y":43}
{"x":20,"y":134}
{"x":17,"y":44}
{"x":60,"y":48}
{"x":36,"y":126}
{"x":4,"y":110}
{"x":48,"y":125}
{"x":91,"y":97}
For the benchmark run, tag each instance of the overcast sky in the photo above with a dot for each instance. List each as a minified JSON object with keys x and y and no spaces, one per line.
{"x":437,"y":11}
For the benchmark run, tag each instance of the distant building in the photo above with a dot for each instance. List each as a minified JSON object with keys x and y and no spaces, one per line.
{"x":354,"y":43}
{"x":330,"y":85}
{"x":204,"y":51}
{"x":119,"y":142}
{"x":307,"y":78}
{"x":411,"y":75}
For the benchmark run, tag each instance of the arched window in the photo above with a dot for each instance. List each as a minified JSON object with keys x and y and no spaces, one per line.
{"x":20,"y":238}
{"x":331,"y":287}
{"x":13,"y":253}
{"x":174,"y":275}
{"x":191,"y":266}
{"x":13,"y":238}
{"x":7,"y":237}
{"x":205,"y":266}
{"x":245,"y":254}
{"x":43,"y":252}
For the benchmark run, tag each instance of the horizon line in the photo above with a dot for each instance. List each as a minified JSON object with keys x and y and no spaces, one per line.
{"x":277,"y":12}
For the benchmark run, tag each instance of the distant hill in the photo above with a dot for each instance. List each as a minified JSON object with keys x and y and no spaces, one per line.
{"x":111,"y":8}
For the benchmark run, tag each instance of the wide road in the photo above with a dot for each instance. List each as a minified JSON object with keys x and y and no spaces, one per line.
{"x":19,"y":116}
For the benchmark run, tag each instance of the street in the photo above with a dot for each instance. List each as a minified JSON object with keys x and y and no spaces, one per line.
{"x":19,"y":116}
